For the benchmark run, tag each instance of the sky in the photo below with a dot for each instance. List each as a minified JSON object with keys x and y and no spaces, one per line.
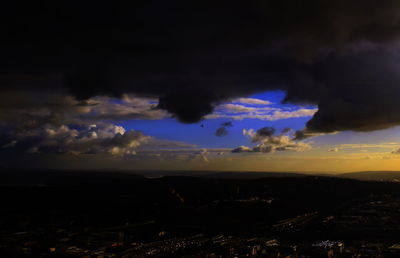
{"x":230,"y":86}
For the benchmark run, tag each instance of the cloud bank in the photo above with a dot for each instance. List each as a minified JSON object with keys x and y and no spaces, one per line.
{"x":340,"y":55}
{"x":267,"y":141}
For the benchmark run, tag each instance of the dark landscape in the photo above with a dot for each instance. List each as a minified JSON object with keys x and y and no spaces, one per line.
{"x":104,"y":214}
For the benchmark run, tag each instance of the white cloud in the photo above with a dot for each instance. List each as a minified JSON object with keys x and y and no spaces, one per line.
{"x":87,"y":139}
{"x":236,"y":108}
{"x":396,"y":151}
{"x":240,"y":112}
{"x":252,"y":101}
{"x":110,"y":139}
{"x":242,"y":149}
{"x":303,"y":112}
{"x":129,"y":107}
{"x":268,"y":142}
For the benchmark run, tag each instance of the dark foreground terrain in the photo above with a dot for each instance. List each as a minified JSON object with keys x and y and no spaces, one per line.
{"x":103,"y":214}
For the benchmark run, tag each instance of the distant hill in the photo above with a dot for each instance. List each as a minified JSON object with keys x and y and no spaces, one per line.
{"x":37,"y":176}
{"x":219,"y":174}
{"x":251,"y":175}
{"x":392,"y":176}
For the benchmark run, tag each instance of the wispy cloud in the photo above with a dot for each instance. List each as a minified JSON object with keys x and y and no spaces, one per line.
{"x":333,"y":150}
{"x":389,"y":145}
{"x":252,"y":101}
{"x":240,"y":112}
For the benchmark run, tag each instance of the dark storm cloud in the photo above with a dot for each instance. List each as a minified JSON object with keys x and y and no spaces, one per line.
{"x":221,"y":131}
{"x":341,"y":55}
{"x":286,"y":130}
{"x":300,"y":135}
{"x":265,"y":132}
{"x":227,"y":124}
